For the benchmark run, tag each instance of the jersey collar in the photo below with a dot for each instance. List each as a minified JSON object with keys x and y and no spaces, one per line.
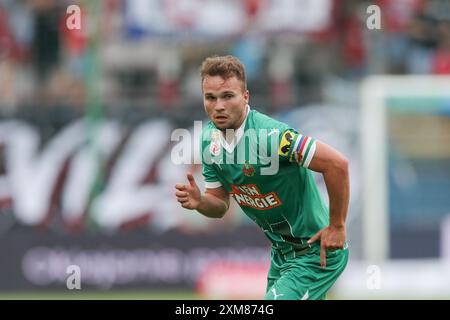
{"x":237,"y":135}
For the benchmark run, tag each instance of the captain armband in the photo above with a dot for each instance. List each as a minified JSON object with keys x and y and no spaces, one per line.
{"x":297,"y":148}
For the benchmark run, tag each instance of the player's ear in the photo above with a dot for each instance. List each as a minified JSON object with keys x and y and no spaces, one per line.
{"x":246,"y":96}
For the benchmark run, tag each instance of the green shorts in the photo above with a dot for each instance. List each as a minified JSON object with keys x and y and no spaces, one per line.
{"x":302,"y":277}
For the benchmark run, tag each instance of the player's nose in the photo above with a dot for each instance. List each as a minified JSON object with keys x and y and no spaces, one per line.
{"x":219,"y":106}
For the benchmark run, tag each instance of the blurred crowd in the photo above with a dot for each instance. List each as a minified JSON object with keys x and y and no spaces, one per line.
{"x":151,"y":65}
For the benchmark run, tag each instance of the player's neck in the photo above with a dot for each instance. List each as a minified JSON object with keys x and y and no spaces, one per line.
{"x":230,"y":133}
{"x":241,"y":121}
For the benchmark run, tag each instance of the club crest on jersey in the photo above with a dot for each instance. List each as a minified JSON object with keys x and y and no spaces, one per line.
{"x":248,"y":169}
{"x":214,"y":147}
{"x":286,"y":142}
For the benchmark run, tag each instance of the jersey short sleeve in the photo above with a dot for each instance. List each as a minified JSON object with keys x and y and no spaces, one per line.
{"x":209,"y":174}
{"x":210,"y":177}
{"x":296,"y":147}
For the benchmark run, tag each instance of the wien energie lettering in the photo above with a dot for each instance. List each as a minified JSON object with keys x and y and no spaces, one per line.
{"x":249,"y":195}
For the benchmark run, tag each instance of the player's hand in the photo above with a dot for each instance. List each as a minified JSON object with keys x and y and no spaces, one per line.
{"x":188,"y":194}
{"x":331,"y":238}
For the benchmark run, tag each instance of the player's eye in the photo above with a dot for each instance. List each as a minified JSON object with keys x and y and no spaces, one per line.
{"x":210,"y":98}
{"x":228,"y":96}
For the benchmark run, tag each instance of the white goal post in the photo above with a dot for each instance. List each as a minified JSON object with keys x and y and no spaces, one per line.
{"x":374,"y":93}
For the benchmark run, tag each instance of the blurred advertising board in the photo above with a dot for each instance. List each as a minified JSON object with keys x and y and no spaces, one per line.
{"x":33,"y":260}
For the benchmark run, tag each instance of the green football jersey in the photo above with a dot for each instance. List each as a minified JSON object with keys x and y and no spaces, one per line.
{"x":284,"y":201}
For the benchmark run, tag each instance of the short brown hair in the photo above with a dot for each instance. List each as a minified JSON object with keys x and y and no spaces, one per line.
{"x":225,"y":67}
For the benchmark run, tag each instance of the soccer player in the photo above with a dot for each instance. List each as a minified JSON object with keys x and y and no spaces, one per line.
{"x":309,"y":248}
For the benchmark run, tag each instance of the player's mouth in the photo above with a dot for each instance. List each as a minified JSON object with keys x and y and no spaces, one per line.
{"x":221,"y":118}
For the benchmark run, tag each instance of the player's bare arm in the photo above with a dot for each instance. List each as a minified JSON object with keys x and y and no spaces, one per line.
{"x":214,"y":203}
{"x":334,"y":167}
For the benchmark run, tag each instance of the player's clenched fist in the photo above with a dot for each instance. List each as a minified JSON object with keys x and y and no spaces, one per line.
{"x":188,"y":194}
